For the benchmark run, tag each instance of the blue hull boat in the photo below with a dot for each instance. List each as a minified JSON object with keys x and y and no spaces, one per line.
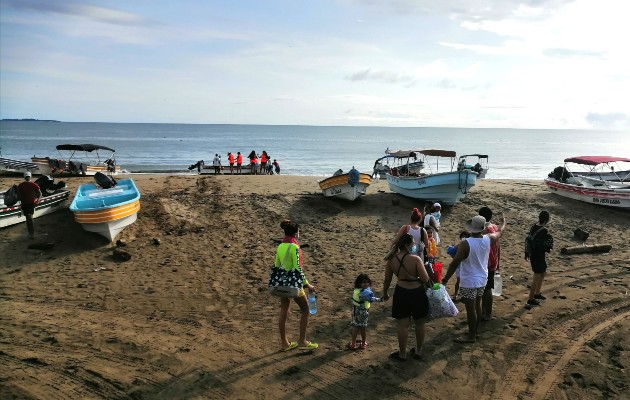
{"x":443,"y":187}
{"x":106,"y":210}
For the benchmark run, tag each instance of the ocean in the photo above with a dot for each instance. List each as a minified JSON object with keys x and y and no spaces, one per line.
{"x":309,"y":150}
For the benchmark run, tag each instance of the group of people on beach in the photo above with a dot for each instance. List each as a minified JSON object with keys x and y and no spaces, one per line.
{"x":259,"y":164}
{"x":412,"y":260}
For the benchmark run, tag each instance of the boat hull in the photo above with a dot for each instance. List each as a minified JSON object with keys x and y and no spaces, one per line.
{"x":338,"y":186}
{"x":109,"y":229}
{"x":49,"y":204}
{"x":106,"y":211}
{"x":446,"y":188}
{"x":209,"y":170}
{"x":617,"y":198}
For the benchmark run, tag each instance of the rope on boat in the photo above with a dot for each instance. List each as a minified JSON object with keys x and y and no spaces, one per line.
{"x":463,"y":189}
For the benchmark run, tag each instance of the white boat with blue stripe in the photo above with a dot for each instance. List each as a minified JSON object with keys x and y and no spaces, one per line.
{"x":446,"y":187}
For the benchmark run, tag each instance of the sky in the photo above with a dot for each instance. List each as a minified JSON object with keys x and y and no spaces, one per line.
{"x":550,"y":64}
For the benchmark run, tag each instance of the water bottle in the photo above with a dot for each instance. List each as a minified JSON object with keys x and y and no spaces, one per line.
{"x":498,"y":285}
{"x":312,"y":303}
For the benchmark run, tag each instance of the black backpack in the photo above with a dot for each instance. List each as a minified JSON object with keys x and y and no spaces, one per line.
{"x":530,"y":242}
{"x":11,"y":196}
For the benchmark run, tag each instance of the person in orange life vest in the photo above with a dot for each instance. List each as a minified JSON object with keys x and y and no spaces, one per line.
{"x":239,"y":162}
{"x":29,"y":195}
{"x":264,"y":158}
{"x":231,"y":162}
{"x":432,"y":251}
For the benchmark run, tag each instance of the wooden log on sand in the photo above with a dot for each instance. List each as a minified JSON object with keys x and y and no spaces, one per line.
{"x":596,"y":248}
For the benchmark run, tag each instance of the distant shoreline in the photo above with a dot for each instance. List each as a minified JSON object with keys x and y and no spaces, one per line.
{"x":29,"y":120}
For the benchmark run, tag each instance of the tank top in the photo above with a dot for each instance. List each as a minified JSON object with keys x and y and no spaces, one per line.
{"x":473,"y":271}
{"x":416,"y":233}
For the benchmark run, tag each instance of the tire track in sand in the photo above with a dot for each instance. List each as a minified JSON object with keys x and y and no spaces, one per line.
{"x":548,"y":383}
{"x":516,"y":378}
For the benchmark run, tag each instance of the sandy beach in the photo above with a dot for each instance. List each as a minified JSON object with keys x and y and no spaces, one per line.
{"x":189,"y":316}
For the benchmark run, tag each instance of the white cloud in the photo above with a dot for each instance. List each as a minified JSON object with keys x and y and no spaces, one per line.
{"x":465,"y":63}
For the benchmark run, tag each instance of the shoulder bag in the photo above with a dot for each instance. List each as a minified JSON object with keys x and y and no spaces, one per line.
{"x":283,"y":283}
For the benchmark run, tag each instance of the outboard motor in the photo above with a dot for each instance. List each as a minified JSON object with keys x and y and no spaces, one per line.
{"x":560,"y":174}
{"x":47,"y":186}
{"x":104,"y":181}
{"x":353,"y":177}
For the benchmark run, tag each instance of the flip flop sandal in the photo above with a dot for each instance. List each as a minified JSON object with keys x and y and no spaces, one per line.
{"x":363,"y":345}
{"x":396,"y":356}
{"x":309,"y":346}
{"x":292,"y":346}
{"x":351,"y":346}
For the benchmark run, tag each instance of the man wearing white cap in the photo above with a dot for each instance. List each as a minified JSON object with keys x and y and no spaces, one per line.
{"x":29,"y":195}
{"x":472,"y":259}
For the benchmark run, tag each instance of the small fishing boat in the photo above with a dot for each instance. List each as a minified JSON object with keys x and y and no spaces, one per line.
{"x":480,"y":167}
{"x":593,"y":179}
{"x":78,"y":160}
{"x":391,"y":159}
{"x":54,"y":198}
{"x":443,"y":187}
{"x":16,"y":167}
{"x":348,"y":186}
{"x":106,"y":208}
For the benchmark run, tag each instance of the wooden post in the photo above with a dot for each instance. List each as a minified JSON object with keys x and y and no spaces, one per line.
{"x":596,"y":248}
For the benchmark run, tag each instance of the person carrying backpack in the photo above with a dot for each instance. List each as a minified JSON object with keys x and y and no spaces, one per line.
{"x":540,"y":243}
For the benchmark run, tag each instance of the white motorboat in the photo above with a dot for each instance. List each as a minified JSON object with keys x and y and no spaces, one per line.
{"x":78,"y":160}
{"x":445,"y":187}
{"x":480,"y":167}
{"x":592,"y":179}
{"x":16,"y":167}
{"x":394,"y":158}
{"x":54,"y":198}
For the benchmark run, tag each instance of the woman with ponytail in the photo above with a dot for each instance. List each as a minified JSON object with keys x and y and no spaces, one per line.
{"x":410,"y":298}
{"x":290,"y":251}
{"x":418,"y":233}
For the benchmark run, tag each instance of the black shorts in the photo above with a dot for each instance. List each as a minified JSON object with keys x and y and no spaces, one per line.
{"x":490,"y":283}
{"x":28,"y":209}
{"x":539,"y":264}
{"x":410,"y":303}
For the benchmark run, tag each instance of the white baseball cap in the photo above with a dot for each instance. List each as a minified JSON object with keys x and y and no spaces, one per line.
{"x":27,"y":173}
{"x":437,"y":205}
